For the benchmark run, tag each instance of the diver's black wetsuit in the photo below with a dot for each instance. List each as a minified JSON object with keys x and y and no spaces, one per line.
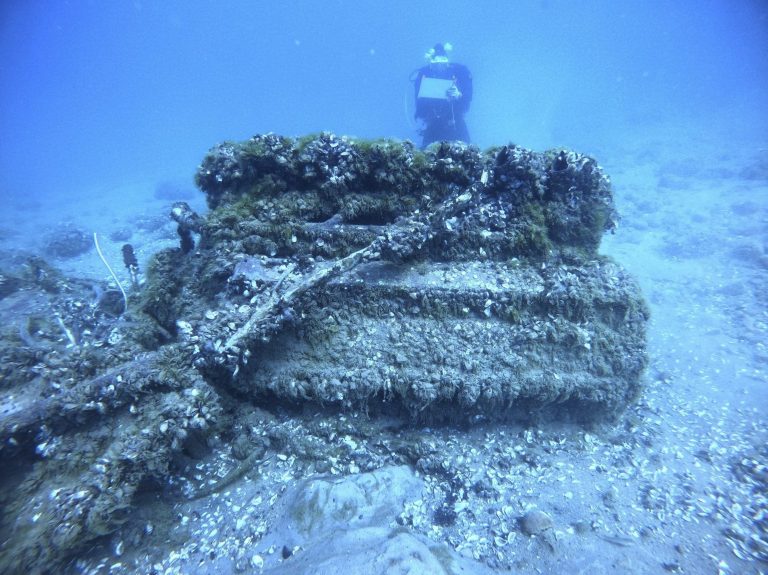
{"x":444,"y":119}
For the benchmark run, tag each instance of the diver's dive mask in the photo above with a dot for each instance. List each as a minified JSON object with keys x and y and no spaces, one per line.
{"x":437,"y":56}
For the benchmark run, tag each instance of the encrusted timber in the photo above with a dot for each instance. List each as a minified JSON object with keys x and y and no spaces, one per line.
{"x":320,"y":161}
{"x":90,"y":398}
{"x":570,"y":188}
{"x":87,"y":486}
{"x":485,"y":368}
{"x":394,"y":338}
{"x":95,"y":399}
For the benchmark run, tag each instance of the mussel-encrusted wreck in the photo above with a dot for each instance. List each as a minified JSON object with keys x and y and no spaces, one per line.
{"x":448,"y":285}
{"x":452,"y":283}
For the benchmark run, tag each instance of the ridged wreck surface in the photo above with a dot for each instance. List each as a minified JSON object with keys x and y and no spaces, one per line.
{"x":450,"y":283}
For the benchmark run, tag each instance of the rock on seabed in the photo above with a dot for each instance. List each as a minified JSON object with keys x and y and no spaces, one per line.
{"x":343,"y":525}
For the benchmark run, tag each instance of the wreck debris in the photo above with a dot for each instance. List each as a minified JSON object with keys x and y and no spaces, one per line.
{"x":448,"y":285}
{"x":512,"y":310}
{"x":188,"y":221}
{"x":131,"y":264}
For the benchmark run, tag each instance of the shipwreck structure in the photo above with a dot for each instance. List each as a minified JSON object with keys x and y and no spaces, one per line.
{"x":451,"y":283}
{"x":450,"y":286}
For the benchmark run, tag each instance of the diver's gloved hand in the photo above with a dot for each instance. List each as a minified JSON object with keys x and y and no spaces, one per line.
{"x":453,"y":93}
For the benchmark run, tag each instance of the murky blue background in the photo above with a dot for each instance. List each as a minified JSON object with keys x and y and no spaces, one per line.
{"x":95,"y":93}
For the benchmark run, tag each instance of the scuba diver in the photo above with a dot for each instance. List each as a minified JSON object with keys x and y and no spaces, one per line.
{"x":443,"y":93}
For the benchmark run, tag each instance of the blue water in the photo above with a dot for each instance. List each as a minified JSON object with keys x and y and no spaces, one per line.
{"x":96,"y":93}
{"x":105,"y":103}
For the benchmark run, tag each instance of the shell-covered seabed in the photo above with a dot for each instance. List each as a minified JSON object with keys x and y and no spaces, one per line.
{"x":419,"y":360}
